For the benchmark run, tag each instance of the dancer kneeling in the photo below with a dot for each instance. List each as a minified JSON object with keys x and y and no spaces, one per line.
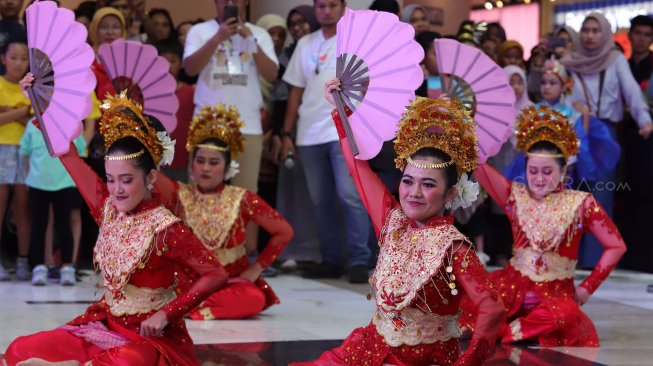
{"x":537,"y":286}
{"x":140,"y":248}
{"x":425,"y":265}
{"x":218,"y":213}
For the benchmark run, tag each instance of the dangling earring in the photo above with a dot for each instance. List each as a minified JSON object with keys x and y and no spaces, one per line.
{"x":447,"y":206}
{"x":150,"y":187}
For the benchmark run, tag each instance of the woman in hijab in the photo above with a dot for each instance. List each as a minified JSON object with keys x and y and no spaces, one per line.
{"x":107,"y":25}
{"x":602,"y":79}
{"x":417,"y":16}
{"x":301,"y":21}
{"x":511,"y":53}
{"x":571,"y":38}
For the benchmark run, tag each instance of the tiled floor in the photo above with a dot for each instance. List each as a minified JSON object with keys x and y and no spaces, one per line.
{"x":314,"y":315}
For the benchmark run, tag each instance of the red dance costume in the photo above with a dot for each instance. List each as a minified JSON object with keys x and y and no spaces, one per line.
{"x":537,"y":286}
{"x":219,"y":219}
{"x":139,"y":255}
{"x":417,"y":285}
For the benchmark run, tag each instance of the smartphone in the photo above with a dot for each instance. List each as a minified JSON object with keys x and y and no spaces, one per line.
{"x":555,"y":42}
{"x":230,"y":11}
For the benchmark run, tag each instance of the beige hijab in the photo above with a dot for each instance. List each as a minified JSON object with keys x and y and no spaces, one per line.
{"x":588,"y":62}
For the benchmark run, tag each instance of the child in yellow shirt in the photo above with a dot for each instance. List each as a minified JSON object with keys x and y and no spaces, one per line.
{"x":14,"y":113}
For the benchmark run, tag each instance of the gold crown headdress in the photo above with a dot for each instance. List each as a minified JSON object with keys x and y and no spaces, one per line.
{"x":542,"y":123}
{"x":441,"y":124}
{"x":218,"y":122}
{"x":116,"y":124}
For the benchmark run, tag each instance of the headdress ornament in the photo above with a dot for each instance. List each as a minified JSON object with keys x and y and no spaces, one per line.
{"x":218,"y":122}
{"x":117,"y":123}
{"x":438,"y":123}
{"x":542,"y":123}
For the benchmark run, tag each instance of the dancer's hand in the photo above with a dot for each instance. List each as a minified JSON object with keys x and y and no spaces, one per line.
{"x":581,"y":295}
{"x":26,"y":82}
{"x":331,"y":86}
{"x":153,"y":326}
{"x":252,"y":273}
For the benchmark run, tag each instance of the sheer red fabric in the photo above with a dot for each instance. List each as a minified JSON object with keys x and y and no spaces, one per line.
{"x":104,"y":86}
{"x":539,"y":294}
{"x":366,"y":346}
{"x":234,"y":208}
{"x":174,"y":249}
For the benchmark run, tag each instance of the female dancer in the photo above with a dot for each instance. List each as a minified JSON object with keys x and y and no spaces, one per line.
{"x":537,"y":286}
{"x":425,"y":264}
{"x":218,"y":213}
{"x":141,"y":246}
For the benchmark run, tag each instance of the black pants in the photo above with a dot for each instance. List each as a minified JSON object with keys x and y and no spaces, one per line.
{"x":62,"y":201}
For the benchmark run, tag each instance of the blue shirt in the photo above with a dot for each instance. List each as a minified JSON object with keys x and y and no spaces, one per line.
{"x":45,"y":172}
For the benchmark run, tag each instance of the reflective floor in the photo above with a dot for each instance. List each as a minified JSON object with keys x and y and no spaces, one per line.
{"x":316,"y":315}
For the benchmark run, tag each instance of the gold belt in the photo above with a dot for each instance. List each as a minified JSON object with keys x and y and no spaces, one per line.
{"x":542,"y":266}
{"x":139,"y":300}
{"x":230,"y":255}
{"x":412,"y":327}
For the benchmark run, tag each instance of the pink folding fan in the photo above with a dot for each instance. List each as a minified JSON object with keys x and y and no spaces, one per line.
{"x":470,"y":76}
{"x":137,"y":68}
{"x":60,"y":60}
{"x":378,"y":66}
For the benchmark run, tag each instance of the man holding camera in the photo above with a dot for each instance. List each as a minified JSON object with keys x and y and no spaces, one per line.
{"x":230,"y":54}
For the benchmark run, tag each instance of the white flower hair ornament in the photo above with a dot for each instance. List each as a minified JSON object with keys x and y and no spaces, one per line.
{"x":466,"y":193}
{"x":168,"y":148}
{"x":234,"y":168}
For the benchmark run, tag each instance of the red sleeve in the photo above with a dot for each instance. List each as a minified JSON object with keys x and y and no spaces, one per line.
{"x":93,"y":189}
{"x":373,"y":193}
{"x":496,"y":185}
{"x":103,"y":87}
{"x":597,"y":222}
{"x":168,"y":189}
{"x":181,"y":246}
{"x":269,"y":219}
{"x":491,"y":312}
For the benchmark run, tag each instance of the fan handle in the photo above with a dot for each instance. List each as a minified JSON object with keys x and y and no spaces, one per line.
{"x":39,"y":118}
{"x":345,"y":122}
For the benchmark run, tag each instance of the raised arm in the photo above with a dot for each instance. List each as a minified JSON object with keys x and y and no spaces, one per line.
{"x":90,"y":185}
{"x":491,"y":313}
{"x":597,"y":222}
{"x":496,"y":185}
{"x":181,"y":246}
{"x":269,"y":219}
{"x":375,"y":196}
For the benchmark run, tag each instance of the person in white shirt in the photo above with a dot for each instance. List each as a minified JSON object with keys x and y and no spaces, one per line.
{"x":602,"y":79}
{"x":229,"y":55}
{"x":311,"y":65}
